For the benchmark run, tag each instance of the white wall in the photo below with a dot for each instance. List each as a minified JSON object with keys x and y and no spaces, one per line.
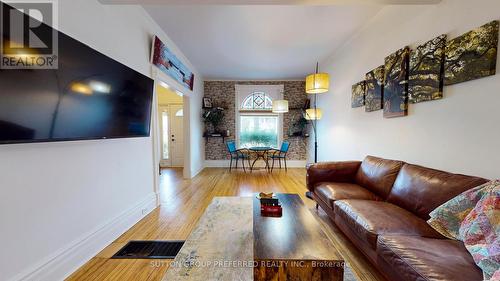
{"x":54,"y":196}
{"x":459,"y":133}
{"x":196,"y":149}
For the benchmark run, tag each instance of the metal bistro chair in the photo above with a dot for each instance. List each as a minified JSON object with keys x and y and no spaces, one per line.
{"x":280,"y":154}
{"x":237,"y":154}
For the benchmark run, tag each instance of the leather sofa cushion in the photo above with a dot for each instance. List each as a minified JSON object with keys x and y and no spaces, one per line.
{"x":378,"y":175}
{"x":330,"y":192}
{"x":420,"y":190}
{"x":368,"y":219}
{"x":423,"y":259}
{"x":331,"y":172}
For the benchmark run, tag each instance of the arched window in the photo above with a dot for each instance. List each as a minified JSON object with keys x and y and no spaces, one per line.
{"x":256,"y":124}
{"x":257,"y":101}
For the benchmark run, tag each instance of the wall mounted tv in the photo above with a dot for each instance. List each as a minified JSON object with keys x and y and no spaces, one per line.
{"x":89,"y":96}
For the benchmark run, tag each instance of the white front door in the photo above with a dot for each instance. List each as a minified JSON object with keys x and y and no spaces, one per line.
{"x":177,"y":135}
{"x":172,"y":136}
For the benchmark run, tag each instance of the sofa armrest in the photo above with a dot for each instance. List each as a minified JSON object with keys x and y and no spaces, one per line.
{"x":331,"y":172}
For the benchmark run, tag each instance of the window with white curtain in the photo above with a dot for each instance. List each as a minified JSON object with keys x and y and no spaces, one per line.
{"x":258,"y":130}
{"x":256,"y":124}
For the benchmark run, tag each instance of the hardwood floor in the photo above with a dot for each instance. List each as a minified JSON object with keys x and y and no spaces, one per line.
{"x":182,"y":204}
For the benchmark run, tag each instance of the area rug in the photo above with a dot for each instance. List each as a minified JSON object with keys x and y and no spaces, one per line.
{"x":348,"y":275}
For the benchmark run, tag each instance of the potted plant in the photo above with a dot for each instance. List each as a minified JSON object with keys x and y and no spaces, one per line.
{"x":213,"y":117}
{"x":298,"y":128}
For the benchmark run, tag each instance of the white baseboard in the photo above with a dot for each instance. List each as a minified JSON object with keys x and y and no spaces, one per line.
{"x":225,"y":164}
{"x":67,"y":260}
{"x":195,"y":173}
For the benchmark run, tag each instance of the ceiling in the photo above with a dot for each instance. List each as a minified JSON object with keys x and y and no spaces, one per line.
{"x":271,"y":2}
{"x":259,"y":42}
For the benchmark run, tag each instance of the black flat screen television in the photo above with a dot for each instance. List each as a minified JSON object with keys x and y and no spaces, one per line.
{"x":89,"y":96}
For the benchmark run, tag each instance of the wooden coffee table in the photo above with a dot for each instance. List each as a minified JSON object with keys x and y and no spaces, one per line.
{"x":294,"y":246}
{"x":232,"y":241}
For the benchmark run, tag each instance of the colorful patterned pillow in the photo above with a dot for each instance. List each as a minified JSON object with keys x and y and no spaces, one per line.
{"x":447,"y":218}
{"x":480,"y":232}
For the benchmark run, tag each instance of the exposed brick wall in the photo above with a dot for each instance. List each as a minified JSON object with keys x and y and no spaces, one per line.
{"x":223,"y":94}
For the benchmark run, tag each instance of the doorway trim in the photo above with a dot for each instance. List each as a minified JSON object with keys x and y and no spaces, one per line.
{"x":161,"y":79}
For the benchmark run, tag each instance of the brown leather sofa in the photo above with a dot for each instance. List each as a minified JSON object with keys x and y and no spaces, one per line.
{"x":382,"y":206}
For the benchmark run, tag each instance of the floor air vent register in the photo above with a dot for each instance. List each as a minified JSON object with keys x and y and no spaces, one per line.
{"x":149,"y":250}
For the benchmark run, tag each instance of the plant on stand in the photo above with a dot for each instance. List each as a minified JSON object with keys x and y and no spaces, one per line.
{"x":213,"y":117}
{"x":298,"y":127}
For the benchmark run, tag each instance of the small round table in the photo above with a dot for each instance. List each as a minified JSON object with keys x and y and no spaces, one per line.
{"x":260,"y":152}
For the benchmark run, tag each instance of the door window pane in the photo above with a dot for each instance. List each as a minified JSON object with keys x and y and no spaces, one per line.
{"x":165,"y":136}
{"x":258,"y":130}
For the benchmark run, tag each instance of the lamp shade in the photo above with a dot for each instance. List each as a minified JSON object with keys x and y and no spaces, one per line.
{"x":280,"y":106}
{"x":81,"y":88}
{"x":313,"y":114}
{"x":317,"y":83}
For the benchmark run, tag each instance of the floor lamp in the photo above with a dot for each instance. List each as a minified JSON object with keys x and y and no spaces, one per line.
{"x":317,"y":83}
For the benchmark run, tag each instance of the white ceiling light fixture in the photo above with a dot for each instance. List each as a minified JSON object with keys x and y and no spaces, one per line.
{"x":100,"y":87}
{"x":280,"y":106}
